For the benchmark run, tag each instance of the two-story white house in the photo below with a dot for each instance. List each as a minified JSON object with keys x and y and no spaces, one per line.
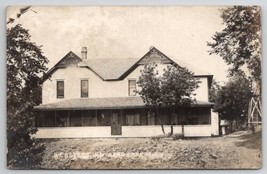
{"x":86,"y":97}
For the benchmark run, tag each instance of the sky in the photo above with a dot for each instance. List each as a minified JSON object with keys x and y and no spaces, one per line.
{"x":180,"y":32}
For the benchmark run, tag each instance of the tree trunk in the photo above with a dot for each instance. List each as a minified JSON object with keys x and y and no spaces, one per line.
{"x":183,"y":130}
{"x":160,"y":122}
{"x":172,"y":113}
{"x":171,"y":129}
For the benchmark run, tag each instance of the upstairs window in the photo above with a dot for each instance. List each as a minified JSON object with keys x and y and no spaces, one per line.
{"x":132,"y":88}
{"x":60,"y":89}
{"x":84,"y":88}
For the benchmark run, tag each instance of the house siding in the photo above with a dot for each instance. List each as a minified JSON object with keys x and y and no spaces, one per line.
{"x":127,"y":131}
{"x":98,"y":88}
{"x":202,"y":91}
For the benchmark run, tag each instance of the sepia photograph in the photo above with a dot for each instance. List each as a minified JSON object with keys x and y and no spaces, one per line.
{"x":134,"y":87}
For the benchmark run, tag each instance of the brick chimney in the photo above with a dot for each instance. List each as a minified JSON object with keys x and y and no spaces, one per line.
{"x":84,"y":53}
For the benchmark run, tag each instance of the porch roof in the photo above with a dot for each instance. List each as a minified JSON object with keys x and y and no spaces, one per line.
{"x":94,"y":103}
{"x":103,"y":103}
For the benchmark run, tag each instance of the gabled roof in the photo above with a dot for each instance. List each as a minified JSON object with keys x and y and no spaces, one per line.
{"x":147,"y":56}
{"x":103,"y":103}
{"x":68,"y":59}
{"x":109,"y":69}
{"x":118,"y":69}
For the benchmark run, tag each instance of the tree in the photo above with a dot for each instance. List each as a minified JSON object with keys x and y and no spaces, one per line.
{"x":173,"y":89}
{"x":25,"y":63}
{"x":150,"y":92}
{"x":239,"y":43}
{"x":232,"y":99}
{"x":177,"y":87}
{"x":213,"y":91}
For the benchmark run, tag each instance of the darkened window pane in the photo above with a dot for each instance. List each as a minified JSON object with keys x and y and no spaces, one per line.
{"x":192,"y":118}
{"x":62,"y":119}
{"x":89,"y":118}
{"x":103,"y":118}
{"x":75,"y":118}
{"x":151,"y":118}
{"x":132,"y":87}
{"x":133,"y":120}
{"x":60,"y":89}
{"x":84,"y":88}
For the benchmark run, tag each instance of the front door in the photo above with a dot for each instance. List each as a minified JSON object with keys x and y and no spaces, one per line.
{"x":115,"y":126}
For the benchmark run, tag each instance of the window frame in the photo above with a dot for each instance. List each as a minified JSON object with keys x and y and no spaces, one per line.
{"x":87,"y":88}
{"x":130,"y":88}
{"x":57,"y":89}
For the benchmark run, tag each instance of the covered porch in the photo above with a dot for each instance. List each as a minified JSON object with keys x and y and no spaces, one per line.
{"x":127,"y":118}
{"x":124,"y":117}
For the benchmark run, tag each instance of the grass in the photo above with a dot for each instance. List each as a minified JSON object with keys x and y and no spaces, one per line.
{"x":251,"y":141}
{"x":187,"y":153}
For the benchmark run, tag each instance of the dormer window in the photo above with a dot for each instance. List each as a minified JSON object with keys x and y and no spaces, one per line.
{"x":60,"y":89}
{"x":132,"y":87}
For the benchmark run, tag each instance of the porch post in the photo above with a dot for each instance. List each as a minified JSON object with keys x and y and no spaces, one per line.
{"x":55,"y":118}
{"x":110,"y":116}
{"x":82,"y":117}
{"x":68,"y":122}
{"x":210,"y":117}
{"x":96,"y":117}
{"x":121,"y":119}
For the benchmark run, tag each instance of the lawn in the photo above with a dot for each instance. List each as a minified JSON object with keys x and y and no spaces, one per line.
{"x":154,"y":153}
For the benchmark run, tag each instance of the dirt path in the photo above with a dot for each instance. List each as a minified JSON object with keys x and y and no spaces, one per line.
{"x":139,"y":153}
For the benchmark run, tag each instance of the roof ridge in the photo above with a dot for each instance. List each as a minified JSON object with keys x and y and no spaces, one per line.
{"x":119,"y":68}
{"x":112,"y":58}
